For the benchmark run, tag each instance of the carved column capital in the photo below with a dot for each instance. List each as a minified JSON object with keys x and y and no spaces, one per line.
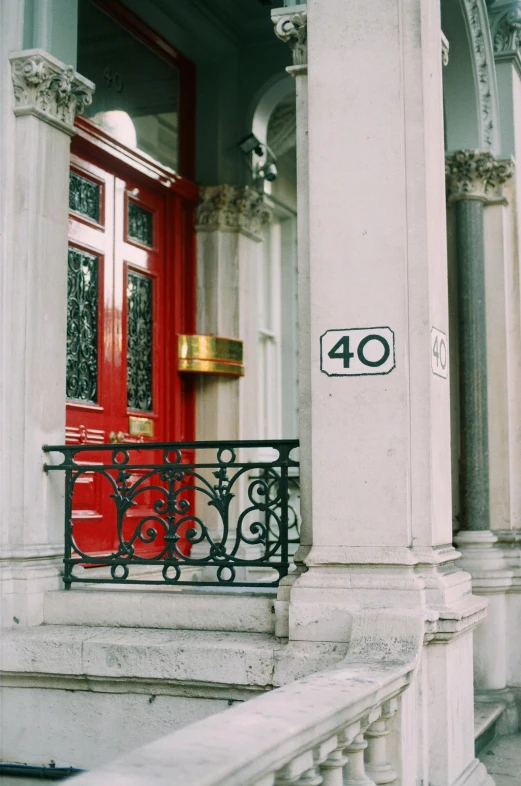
{"x":505,"y":29}
{"x":49,"y":89}
{"x":292,"y":27}
{"x":232,"y":209}
{"x":476,"y":174}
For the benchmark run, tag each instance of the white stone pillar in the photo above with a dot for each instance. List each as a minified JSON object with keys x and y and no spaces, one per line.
{"x":291,"y":28}
{"x":380,"y":452}
{"x":377,"y":446}
{"x":45,"y":96}
{"x":230,"y":221}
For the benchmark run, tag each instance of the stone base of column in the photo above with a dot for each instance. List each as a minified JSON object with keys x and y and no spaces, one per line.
{"x":403,"y":604}
{"x":24,"y":580}
{"x":282,"y":603}
{"x":342,"y":581}
{"x":475,"y":775}
{"x":480,"y":555}
{"x":492,"y":578}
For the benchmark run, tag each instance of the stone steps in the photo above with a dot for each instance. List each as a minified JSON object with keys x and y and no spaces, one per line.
{"x":503,"y":760}
{"x":486,"y":718}
{"x":138,"y":655}
{"x":81,"y":695}
{"x":231,"y":609}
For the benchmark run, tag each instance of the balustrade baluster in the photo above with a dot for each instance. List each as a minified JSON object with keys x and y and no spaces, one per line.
{"x":332,"y":769}
{"x":377,"y":764}
{"x":310,"y":778}
{"x":355,"y":768}
{"x":301,"y":767}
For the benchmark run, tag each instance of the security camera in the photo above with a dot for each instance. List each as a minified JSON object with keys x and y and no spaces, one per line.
{"x":269,"y":172}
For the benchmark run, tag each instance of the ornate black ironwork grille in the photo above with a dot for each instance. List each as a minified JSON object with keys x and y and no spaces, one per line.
{"x":139,"y":341}
{"x":196,"y":512}
{"x":140,"y":224}
{"x":84,"y":197}
{"x":272,"y":524}
{"x":82,"y":326}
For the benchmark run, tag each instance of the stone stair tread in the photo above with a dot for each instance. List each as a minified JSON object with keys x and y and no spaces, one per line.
{"x":238,"y":611}
{"x":485,"y":714}
{"x":219,"y":657}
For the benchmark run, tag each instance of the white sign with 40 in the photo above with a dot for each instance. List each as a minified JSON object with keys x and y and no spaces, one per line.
{"x":356,"y":352}
{"x":439,"y":353}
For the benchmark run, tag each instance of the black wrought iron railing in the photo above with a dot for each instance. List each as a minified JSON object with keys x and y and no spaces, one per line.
{"x":203,"y":513}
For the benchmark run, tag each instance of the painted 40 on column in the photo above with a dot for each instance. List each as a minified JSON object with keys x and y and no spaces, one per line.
{"x":355,"y":352}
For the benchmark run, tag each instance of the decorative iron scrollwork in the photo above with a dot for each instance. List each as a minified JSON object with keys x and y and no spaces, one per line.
{"x":139,"y":342}
{"x":140,"y":224}
{"x":198,"y":522}
{"x":84,"y":196}
{"x":82,"y":326}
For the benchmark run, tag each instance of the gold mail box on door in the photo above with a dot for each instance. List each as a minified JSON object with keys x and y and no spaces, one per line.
{"x":211,"y":355}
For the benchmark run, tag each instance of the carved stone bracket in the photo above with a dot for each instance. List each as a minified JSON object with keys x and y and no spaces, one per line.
{"x":505,"y":28}
{"x":49,"y":89}
{"x":232,"y":209}
{"x":476,"y":174}
{"x":292,"y":27}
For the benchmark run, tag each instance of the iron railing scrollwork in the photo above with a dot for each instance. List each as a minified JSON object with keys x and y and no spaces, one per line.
{"x":203,"y":513}
{"x":293,"y":495}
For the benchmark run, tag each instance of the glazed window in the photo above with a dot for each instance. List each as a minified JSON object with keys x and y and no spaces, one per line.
{"x":82,"y":326}
{"x":84,"y":197}
{"x":137,"y":92}
{"x":139,"y":342}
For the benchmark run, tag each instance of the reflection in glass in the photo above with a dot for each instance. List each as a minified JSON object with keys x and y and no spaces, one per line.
{"x":84,"y":196}
{"x":82,"y":326}
{"x":137,"y":92}
{"x":139,"y":342}
{"x":140,"y":224}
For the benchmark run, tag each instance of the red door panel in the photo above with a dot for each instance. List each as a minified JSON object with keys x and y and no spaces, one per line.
{"x":130,"y":258}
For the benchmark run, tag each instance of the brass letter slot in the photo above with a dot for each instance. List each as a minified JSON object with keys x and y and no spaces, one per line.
{"x":140,"y":427}
{"x":211,"y":355}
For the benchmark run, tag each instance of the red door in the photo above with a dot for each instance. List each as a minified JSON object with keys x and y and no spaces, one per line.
{"x":130,"y":292}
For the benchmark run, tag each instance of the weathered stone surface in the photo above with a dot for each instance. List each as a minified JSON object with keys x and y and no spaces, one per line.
{"x":239,"y":611}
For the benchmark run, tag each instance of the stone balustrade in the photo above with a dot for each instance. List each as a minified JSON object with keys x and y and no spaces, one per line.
{"x":332,"y":728}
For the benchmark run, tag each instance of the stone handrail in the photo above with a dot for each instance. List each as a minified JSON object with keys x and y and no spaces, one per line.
{"x":329,"y":728}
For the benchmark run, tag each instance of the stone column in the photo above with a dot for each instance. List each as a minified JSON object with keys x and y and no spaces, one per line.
{"x":291,"y":28}
{"x":474,"y":177}
{"x":475,"y":180}
{"x":230,"y":223}
{"x":45,"y":95}
{"x":377,"y":445}
{"x":494,"y":558}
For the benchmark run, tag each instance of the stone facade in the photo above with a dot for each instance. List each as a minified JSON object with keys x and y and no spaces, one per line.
{"x":382,"y":620}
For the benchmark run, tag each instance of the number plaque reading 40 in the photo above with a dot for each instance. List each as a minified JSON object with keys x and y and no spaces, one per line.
{"x":439,"y":353}
{"x":355,"y":352}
